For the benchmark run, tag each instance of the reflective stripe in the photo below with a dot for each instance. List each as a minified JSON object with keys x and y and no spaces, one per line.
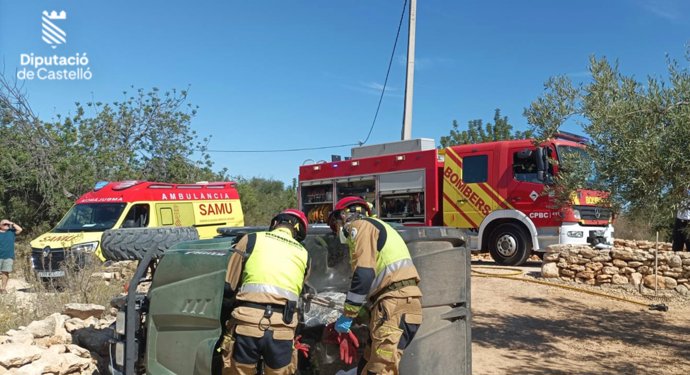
{"x":389,"y":269}
{"x":356,"y":298}
{"x":265,"y":288}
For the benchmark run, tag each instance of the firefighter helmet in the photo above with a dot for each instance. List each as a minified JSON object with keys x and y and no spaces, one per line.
{"x":295,"y":219}
{"x":352,"y":204}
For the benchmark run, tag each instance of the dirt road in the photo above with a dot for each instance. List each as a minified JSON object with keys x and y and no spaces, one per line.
{"x":524,"y":328}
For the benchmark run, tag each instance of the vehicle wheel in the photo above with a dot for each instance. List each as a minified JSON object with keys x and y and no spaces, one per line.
{"x":508,"y":245}
{"x":134,"y":243}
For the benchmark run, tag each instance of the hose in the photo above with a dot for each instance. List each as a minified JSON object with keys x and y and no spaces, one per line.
{"x":516,"y":274}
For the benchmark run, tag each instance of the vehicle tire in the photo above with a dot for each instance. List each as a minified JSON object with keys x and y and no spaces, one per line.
{"x":134,"y":243}
{"x":508,"y":245}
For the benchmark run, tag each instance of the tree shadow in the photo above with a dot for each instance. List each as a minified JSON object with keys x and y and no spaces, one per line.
{"x":549,"y":342}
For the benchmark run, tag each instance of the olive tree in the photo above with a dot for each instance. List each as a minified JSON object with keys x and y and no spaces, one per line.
{"x":639,"y":132}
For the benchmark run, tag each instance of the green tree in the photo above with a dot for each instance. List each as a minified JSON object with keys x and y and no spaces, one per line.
{"x":639,"y":135}
{"x":477,"y":132}
{"x":262,"y":199}
{"x":47,"y":164}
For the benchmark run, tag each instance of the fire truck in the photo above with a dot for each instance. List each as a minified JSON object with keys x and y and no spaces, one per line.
{"x":495,"y":190}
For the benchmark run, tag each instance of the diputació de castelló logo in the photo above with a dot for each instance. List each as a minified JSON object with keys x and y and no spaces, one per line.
{"x":72,"y":67}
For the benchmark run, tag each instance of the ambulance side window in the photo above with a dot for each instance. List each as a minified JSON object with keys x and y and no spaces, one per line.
{"x":137,"y":217}
{"x":475,"y":169}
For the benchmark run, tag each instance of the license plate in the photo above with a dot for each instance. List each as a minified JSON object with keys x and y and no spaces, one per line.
{"x":50,"y":273}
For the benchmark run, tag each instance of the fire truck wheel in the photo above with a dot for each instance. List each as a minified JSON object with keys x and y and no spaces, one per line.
{"x":508,"y":245}
{"x":134,"y":243}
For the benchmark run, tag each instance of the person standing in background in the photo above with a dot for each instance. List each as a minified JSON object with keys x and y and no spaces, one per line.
{"x":8,"y":233}
{"x":680,"y":235}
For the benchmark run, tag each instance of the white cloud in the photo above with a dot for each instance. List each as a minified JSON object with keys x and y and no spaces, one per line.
{"x":666,"y":9}
{"x":373,"y":88}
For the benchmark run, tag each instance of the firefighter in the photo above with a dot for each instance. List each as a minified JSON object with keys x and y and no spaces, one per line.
{"x":385,"y":279}
{"x":273,"y":266}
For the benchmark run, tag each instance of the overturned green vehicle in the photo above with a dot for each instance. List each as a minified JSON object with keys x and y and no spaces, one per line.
{"x":174,"y":326}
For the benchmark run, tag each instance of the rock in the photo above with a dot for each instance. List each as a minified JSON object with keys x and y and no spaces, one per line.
{"x":620,"y":263}
{"x":601,"y":258}
{"x":42,"y":328}
{"x":675,"y":261}
{"x":628,"y":270}
{"x":557,"y":248}
{"x":609,"y":270}
{"x":603,"y":277}
{"x":92,"y":322}
{"x":670,"y":282}
{"x":619,"y":280}
{"x":636,"y":278}
{"x":567,"y":273}
{"x":16,"y":355}
{"x":635,"y":264}
{"x":624,"y":254}
{"x":3,"y":339}
{"x":594,"y":266}
{"x":74,"y":324}
{"x":79,"y":351}
{"x":649,"y":282}
{"x":573,"y":259}
{"x":683,"y":290}
{"x":21,"y":338}
{"x":83,"y":311}
{"x":588,"y":253}
{"x":549,"y":270}
{"x":577,"y":268}
{"x":585,"y":275}
{"x":643,"y":270}
{"x":551,"y":257}
{"x":66,"y":363}
{"x":56,"y":349}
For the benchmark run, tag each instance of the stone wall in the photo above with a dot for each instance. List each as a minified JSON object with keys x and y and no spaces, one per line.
{"x":627,"y":264}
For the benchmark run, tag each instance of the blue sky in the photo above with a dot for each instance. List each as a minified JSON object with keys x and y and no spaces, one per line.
{"x":285,"y":74}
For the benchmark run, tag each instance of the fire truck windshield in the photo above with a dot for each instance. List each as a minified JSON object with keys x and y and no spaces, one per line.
{"x":90,"y":217}
{"x":570,"y":154}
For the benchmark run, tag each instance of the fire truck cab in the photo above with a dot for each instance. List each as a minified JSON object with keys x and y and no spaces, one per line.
{"x":495,"y":190}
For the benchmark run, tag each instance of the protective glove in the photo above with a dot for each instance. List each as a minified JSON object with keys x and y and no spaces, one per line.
{"x":343,"y":324}
{"x":348,"y":347}
{"x":301,"y":347}
{"x":347,"y":343}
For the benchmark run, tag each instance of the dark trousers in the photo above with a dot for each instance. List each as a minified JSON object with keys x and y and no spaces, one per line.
{"x":680,"y":236}
{"x":277,"y":355}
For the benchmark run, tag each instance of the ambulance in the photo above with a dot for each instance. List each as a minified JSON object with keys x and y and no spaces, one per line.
{"x":134,"y":204}
{"x":495,"y":190}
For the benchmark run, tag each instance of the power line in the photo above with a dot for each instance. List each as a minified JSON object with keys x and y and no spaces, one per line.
{"x":284,"y":150}
{"x":390,"y":63}
{"x":373,"y":122}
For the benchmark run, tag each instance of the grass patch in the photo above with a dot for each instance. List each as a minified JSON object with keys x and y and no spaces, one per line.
{"x":82,"y":284}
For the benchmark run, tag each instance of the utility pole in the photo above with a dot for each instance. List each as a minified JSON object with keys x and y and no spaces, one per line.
{"x":409,"y":82}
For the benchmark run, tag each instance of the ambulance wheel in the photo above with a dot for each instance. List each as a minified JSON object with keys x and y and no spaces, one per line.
{"x":508,"y":245}
{"x":134,"y":243}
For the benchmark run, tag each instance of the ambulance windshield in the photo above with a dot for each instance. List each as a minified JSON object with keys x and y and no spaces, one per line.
{"x":90,"y":217}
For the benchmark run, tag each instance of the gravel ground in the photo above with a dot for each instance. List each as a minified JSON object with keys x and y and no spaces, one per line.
{"x":526,"y":328}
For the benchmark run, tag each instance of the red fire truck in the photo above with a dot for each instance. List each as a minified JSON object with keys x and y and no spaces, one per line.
{"x":495,"y":190}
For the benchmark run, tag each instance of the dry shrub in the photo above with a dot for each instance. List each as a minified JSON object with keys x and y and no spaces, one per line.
{"x":637,"y":228}
{"x":82,"y":284}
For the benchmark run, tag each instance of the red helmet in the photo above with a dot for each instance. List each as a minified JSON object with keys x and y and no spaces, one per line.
{"x":348,"y":202}
{"x":295,"y":218}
